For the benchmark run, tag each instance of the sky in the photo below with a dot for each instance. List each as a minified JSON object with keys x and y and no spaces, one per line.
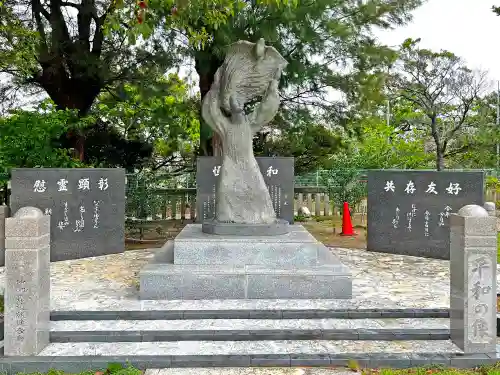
{"x":468,"y":28}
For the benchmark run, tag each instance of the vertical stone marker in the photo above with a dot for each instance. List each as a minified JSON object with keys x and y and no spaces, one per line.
{"x":27,"y":284}
{"x":473,"y":256}
{"x":4,"y":213}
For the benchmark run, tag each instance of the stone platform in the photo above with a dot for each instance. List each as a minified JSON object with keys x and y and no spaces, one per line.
{"x":198,"y":265}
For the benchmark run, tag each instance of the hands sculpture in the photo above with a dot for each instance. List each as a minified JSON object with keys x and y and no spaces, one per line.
{"x":250,"y":71}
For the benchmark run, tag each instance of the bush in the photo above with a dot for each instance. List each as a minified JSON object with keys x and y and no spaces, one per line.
{"x":343,"y":181}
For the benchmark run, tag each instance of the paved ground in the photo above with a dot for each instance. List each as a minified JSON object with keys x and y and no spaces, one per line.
{"x":378,"y":280}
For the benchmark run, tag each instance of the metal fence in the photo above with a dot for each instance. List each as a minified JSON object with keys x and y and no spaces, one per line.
{"x":153,"y":198}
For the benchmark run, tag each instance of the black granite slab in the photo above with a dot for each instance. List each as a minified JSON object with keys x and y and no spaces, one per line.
{"x":408,"y":211}
{"x":86,"y":205}
{"x":278,"y":173}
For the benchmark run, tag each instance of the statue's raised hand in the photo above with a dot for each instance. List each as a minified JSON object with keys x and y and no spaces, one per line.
{"x":266,"y":110}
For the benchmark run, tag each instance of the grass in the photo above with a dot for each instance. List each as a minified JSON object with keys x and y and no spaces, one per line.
{"x":487,"y":370}
{"x":328,"y":229}
{"x":117,"y":369}
{"x":112,"y":369}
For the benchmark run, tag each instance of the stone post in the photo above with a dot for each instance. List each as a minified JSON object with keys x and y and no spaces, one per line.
{"x":473,"y":255}
{"x":27,"y":282}
{"x":4,"y":213}
{"x":490,"y":207}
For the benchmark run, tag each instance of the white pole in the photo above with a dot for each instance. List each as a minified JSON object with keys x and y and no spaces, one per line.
{"x":388,"y":113}
{"x":498,"y":123}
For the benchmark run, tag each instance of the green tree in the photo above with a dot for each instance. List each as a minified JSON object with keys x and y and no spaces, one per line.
{"x":73,"y":50}
{"x":27,"y":138}
{"x":480,"y":145}
{"x":328,"y":44}
{"x":342,"y":180}
{"x":311,"y":145}
{"x":444,"y":92}
{"x":161,"y":114}
{"x":383,"y":147}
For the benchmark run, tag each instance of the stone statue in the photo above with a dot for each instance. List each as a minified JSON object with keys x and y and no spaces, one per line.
{"x":251,"y":71}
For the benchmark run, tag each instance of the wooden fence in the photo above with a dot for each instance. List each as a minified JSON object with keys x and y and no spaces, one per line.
{"x":180,"y":204}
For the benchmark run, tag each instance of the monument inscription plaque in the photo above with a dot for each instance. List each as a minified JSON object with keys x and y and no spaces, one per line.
{"x":278,"y":175}
{"x":87,"y":207}
{"x":408,"y":211}
{"x":480,"y":293}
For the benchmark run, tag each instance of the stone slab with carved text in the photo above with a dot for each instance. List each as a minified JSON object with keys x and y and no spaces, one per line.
{"x":278,"y":175}
{"x":87,"y":207}
{"x":408,"y":211}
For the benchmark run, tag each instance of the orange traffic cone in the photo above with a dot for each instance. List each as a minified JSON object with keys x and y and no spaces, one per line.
{"x":347,"y":229}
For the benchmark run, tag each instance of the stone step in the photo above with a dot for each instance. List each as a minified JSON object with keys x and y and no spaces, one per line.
{"x":255,"y":311}
{"x":353,"y":348}
{"x":77,"y":364}
{"x":214,"y":282}
{"x":358,"y":302}
{"x":249,"y":329}
{"x":92,"y":356}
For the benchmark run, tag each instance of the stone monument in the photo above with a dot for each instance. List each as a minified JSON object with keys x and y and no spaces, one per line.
{"x":27,"y":282}
{"x":473,"y":269}
{"x":249,"y":71}
{"x":245,"y":251}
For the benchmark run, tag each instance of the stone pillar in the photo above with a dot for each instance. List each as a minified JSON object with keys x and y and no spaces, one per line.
{"x":473,"y":256}
{"x":4,"y":213}
{"x":490,"y":207}
{"x":27,"y":282}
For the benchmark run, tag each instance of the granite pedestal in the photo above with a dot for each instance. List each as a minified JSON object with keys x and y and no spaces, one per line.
{"x":198,"y":265}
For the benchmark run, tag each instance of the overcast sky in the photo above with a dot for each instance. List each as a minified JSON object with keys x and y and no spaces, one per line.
{"x":467,"y":28}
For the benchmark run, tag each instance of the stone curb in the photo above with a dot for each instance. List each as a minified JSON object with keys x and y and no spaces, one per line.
{"x":250,"y":335}
{"x":250,"y":314}
{"x":75,"y":364}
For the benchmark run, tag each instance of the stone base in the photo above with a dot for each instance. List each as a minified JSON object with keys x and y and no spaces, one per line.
{"x":277,"y":228}
{"x":298,"y":248}
{"x":178,"y":282}
{"x":197,"y":265}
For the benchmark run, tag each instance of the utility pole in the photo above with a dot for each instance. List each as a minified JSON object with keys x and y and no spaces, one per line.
{"x":498,"y":123}
{"x":388,"y":113}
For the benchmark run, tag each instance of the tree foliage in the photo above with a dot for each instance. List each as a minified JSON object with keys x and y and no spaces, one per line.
{"x":328,"y":45}
{"x":443,"y":92}
{"x":481,"y":152}
{"x":383,"y":147}
{"x":342,"y":180}
{"x":311,"y":144}
{"x":27,"y":138}
{"x":162,"y":114}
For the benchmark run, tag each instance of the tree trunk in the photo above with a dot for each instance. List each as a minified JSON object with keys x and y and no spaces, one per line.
{"x":440,"y":149}
{"x":439,"y":159}
{"x":70,"y":93}
{"x":206,"y":65}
